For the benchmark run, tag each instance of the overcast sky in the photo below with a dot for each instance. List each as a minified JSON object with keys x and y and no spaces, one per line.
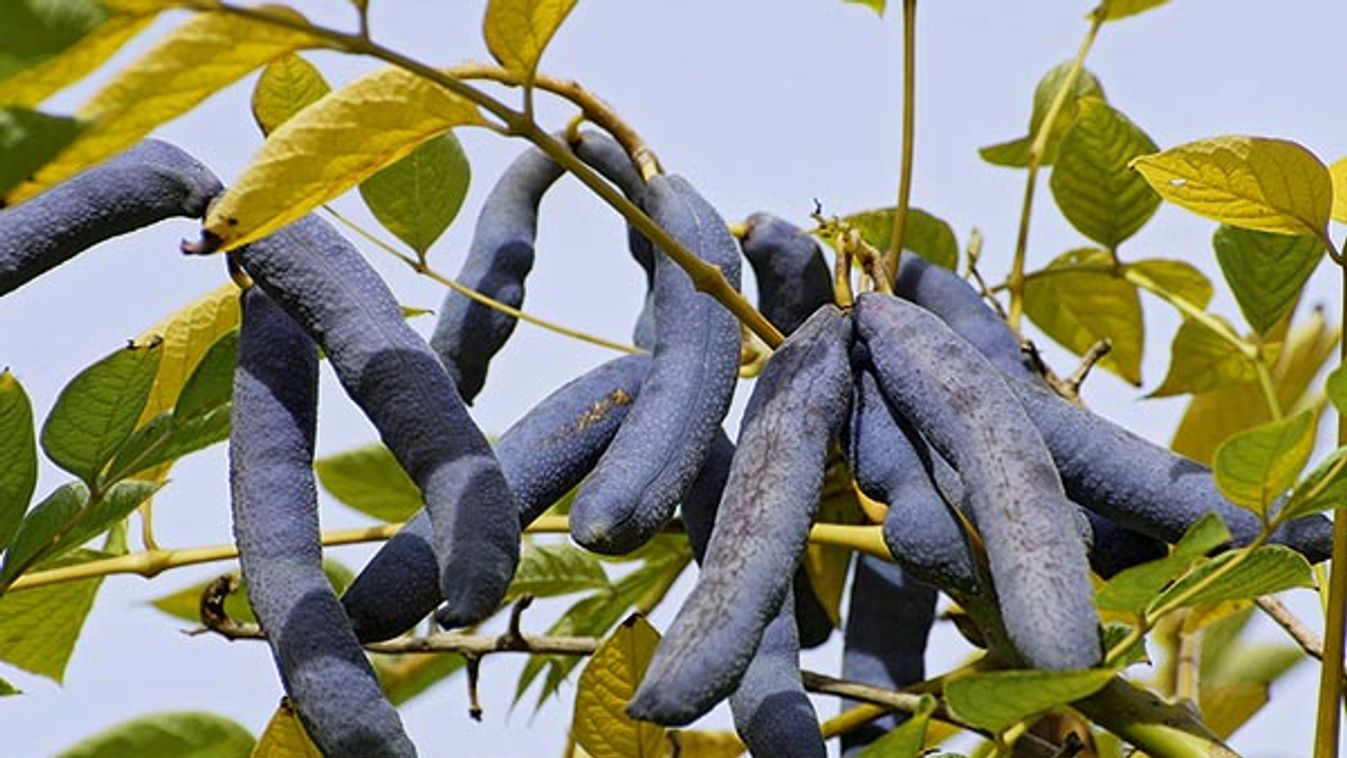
{"x":763,"y":106}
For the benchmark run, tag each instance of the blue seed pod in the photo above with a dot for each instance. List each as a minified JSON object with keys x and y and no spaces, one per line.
{"x":793,"y":278}
{"x":144,"y":185}
{"x":313,"y":273}
{"x":543,"y":455}
{"x":275,"y":503}
{"x":888,"y":623}
{"x":771,"y":710}
{"x":797,"y":408}
{"x":468,"y":334}
{"x":962,"y":407}
{"x":660,"y":447}
{"x":1116,"y":548}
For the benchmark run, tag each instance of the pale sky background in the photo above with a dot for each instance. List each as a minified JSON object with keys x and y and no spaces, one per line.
{"x":763,"y":106}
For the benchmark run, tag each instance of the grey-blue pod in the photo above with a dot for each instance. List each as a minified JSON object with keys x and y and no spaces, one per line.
{"x":313,"y":273}
{"x":1107,"y":469}
{"x":793,"y":278}
{"x":144,"y":185}
{"x":543,"y":455}
{"x":660,"y":446}
{"x":771,"y":710}
{"x":798,"y":406}
{"x":275,"y":504}
{"x":889,"y":621}
{"x":963,"y":408}
{"x":468,"y":334}
{"x":605,"y":155}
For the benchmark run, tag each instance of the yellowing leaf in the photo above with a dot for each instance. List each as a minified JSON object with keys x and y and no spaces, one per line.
{"x":1090,"y":180}
{"x":36,"y":83}
{"x":1117,"y":9}
{"x":1201,"y":360}
{"x":287,"y":86}
{"x":1338,"y":172}
{"x":1079,"y":308}
{"x":330,"y":147}
{"x":208,"y":52}
{"x":285,"y":737}
{"x":517,"y":31}
{"x":1268,"y":185}
{"x":1178,"y":278}
{"x":601,"y":725}
{"x":1227,"y":707}
{"x":698,"y":743}
{"x":39,"y":627}
{"x":185,"y":336}
{"x":875,"y":5}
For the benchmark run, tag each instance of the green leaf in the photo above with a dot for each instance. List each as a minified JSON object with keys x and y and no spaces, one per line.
{"x":1178,"y":278}
{"x":517,"y":31}
{"x":1336,"y":387}
{"x":185,"y":603}
{"x":1254,"y":467}
{"x":1258,"y":183}
{"x":601,"y":725}
{"x":551,"y":570}
{"x":1271,"y":569}
{"x":1015,"y":153}
{"x":1338,"y":172}
{"x":998,"y":700}
{"x":285,"y":737}
{"x":1118,"y":9}
{"x":1079,"y":308}
{"x":97,"y":410}
{"x":32,"y":31}
{"x":928,"y":236}
{"x":211,"y":384}
{"x":1266,"y":271}
{"x":1132,"y":589}
{"x":39,"y":626}
{"x":29,"y":140}
{"x":1324,"y":489}
{"x":418,"y":197}
{"x":1251,"y":664}
{"x":184,"y":734}
{"x":875,"y":5}
{"x":908,"y":739}
{"x":41,"y":526}
{"x":370,"y":480}
{"x":287,"y":86}
{"x":1227,"y":707}
{"x":1203,"y":360}
{"x":1091,"y":181}
{"x":7,"y":689}
{"x":18,"y":456}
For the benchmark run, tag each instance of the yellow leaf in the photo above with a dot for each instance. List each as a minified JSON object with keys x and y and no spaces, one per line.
{"x":1226,"y":707}
{"x":517,"y":31}
{"x":32,"y":85}
{"x":287,"y":86}
{"x":285,"y":737}
{"x":208,"y":52}
{"x":1117,"y":9}
{"x":697,"y":743}
{"x":1201,"y":359}
{"x":330,"y":147}
{"x":1338,"y":171}
{"x":1079,"y":308}
{"x":601,"y":724}
{"x":1258,"y":183}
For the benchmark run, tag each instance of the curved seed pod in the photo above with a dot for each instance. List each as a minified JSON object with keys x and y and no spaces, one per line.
{"x":892,"y":464}
{"x":798,"y":406}
{"x":146,"y":184}
{"x":323,"y":668}
{"x":1107,"y":469}
{"x":543,"y":455}
{"x":813,"y":625}
{"x":961,"y":406}
{"x":660,"y":446}
{"x":888,"y":623}
{"x":1116,"y":548}
{"x":313,"y":273}
{"x":771,"y":711}
{"x":605,"y":155}
{"x":793,"y":278}
{"x":468,"y":334}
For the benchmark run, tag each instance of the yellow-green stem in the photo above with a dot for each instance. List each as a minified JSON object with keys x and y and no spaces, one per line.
{"x":1036,"y":152}
{"x":895,"y":250}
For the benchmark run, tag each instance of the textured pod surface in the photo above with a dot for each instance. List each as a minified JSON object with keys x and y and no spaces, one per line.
{"x":1115,"y":548}
{"x":960,"y":404}
{"x":661,"y":444}
{"x":543,"y":455}
{"x":771,"y":710}
{"x":468,"y":334}
{"x":797,"y":408}
{"x":888,"y":623}
{"x":323,"y":668}
{"x":793,"y":278}
{"x":148,"y":183}
{"x":893,"y":465}
{"x":313,"y":273}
